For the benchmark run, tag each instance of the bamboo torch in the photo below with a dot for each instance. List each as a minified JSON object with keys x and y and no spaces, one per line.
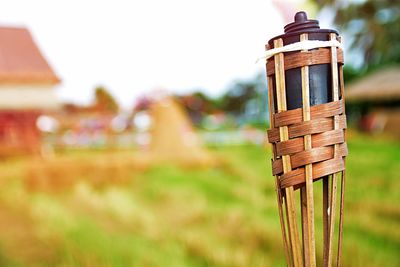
{"x":307,"y":133}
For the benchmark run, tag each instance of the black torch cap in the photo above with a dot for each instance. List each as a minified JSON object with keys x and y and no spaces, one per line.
{"x":300,"y":25}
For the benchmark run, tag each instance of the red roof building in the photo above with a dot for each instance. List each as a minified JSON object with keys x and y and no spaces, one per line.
{"x":26,"y":90}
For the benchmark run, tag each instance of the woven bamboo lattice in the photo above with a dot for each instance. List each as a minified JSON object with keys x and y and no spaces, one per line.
{"x":309,"y":144}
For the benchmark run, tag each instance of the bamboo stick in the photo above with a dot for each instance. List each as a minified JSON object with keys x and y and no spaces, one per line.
{"x":332,"y":206}
{"x":342,"y":185}
{"x":289,"y":233}
{"x":293,"y":229}
{"x":284,"y":135}
{"x":340,"y":238}
{"x":304,"y":225}
{"x":309,"y":235}
{"x":325,"y":217}
{"x":278,"y":190}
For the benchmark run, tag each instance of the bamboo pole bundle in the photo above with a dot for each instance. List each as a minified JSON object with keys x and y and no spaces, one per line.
{"x":306,"y":104}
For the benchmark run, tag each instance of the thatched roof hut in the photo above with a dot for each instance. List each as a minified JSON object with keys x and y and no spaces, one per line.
{"x":378,"y":99}
{"x":382,"y":86}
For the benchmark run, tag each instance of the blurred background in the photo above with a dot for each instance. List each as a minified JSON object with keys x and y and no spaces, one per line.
{"x":133,"y":133}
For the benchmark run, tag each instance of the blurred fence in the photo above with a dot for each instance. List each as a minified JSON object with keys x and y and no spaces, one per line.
{"x":131,"y":140}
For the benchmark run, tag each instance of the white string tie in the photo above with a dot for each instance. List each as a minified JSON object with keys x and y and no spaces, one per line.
{"x":303,"y":45}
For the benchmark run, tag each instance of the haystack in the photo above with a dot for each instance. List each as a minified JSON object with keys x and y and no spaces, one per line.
{"x":173,"y":139}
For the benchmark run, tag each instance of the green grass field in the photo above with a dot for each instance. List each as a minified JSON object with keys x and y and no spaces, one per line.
{"x":170,"y":216}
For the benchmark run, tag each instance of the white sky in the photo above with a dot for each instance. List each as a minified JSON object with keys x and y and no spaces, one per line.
{"x":132,"y":47}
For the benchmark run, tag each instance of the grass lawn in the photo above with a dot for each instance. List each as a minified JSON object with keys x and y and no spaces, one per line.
{"x":103,"y":210}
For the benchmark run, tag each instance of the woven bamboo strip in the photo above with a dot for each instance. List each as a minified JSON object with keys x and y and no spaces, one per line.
{"x":296,"y":145}
{"x":308,"y":127}
{"x":296,"y":178}
{"x":308,"y":212}
{"x":342,"y":186}
{"x":278,"y":190}
{"x":315,"y":126}
{"x":310,"y":156}
{"x":284,"y":135}
{"x":315,"y":155}
{"x":294,"y":116}
{"x":297,"y":60}
{"x":333,"y":194}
